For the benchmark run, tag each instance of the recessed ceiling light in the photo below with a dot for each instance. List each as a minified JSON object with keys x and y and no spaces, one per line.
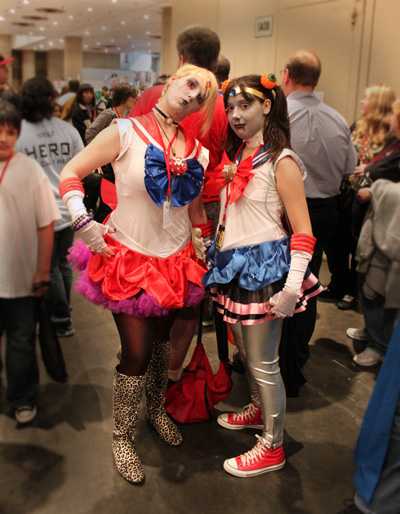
{"x":103,"y":28}
{"x":41,"y":28}
{"x":148,"y":44}
{"x":51,"y":43}
{"x":129,"y":36}
{"x":112,"y":40}
{"x":114,"y":1}
{"x":90,"y":9}
{"x":123,"y":22}
{"x":1,"y":18}
{"x":61,"y":40}
{"x":40,"y":46}
{"x":85,"y":46}
{"x":26,"y":2}
{"x":12,"y":11}
{"x":55,"y":22}
{"x":98,"y":43}
{"x":70,"y":17}
{"x":118,"y":48}
{"x":87,"y":33}
{"x":146,"y":16}
{"x":106,"y":50}
{"x":31,"y":33}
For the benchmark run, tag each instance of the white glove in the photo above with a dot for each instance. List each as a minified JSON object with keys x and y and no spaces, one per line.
{"x":92,"y":233}
{"x":284,"y":302}
{"x":198,"y":244}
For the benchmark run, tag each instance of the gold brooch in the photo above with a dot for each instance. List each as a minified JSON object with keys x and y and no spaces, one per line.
{"x":229,"y":170}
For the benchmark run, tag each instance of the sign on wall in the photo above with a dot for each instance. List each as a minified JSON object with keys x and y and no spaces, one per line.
{"x":264,"y":26}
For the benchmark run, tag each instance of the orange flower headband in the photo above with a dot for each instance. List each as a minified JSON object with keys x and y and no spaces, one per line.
{"x":268,"y":80}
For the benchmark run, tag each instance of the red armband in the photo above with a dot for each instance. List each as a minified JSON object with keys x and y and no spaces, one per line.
{"x":206,"y":228}
{"x":70,"y":184}
{"x":302,"y":242}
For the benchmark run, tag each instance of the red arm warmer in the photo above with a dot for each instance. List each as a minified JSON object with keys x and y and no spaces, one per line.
{"x":302,"y":242}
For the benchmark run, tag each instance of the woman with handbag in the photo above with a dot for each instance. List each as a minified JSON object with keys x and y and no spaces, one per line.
{"x":368,"y":137}
{"x":142,"y":265}
{"x":257,"y":271}
{"x":376,"y":257}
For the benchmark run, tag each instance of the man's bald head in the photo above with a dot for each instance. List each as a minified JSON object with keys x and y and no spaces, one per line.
{"x":304,"y":68}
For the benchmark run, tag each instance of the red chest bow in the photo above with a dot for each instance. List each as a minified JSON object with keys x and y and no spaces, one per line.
{"x":238,"y":175}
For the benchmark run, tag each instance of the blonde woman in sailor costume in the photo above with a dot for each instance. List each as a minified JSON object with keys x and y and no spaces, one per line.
{"x":258,"y":272}
{"x":141,"y":264}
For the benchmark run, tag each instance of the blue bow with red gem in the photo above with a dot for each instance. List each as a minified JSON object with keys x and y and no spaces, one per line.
{"x":184,"y":187}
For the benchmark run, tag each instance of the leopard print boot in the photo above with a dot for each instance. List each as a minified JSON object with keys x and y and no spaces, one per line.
{"x":128,"y":392}
{"x":155,"y":387}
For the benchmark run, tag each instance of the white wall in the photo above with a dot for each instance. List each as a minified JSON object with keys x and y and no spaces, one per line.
{"x":357,"y":40}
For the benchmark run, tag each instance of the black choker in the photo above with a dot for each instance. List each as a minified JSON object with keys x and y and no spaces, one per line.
{"x":166,"y":117}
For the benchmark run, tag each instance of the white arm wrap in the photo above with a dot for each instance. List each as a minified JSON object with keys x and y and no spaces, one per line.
{"x":284,"y":302}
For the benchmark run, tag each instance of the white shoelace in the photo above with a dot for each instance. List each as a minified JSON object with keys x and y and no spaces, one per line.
{"x":256,"y":453}
{"x":249,"y":411}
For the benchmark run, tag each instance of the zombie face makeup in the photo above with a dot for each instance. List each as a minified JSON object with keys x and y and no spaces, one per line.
{"x":245,"y":117}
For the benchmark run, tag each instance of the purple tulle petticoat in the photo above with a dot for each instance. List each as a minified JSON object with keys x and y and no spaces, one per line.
{"x":142,"y":305}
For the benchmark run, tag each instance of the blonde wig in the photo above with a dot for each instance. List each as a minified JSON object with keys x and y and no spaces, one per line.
{"x":209,"y":91}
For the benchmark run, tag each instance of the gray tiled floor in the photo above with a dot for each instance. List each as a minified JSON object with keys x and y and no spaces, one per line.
{"x":62,"y":462}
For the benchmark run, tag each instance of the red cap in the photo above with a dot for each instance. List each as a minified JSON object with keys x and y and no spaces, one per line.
{"x":4,"y":61}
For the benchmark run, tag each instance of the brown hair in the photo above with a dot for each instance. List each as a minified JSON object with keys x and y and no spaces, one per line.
{"x":199,"y":45}
{"x":121,"y":92}
{"x":304,"y":68}
{"x":276,"y":125}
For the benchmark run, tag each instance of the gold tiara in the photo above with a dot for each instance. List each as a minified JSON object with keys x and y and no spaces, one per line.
{"x":238,"y":90}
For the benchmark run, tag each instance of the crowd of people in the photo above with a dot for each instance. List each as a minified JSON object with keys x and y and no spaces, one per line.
{"x":226,"y":189}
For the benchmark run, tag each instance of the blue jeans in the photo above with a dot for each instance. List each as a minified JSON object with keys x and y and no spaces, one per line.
{"x":379,"y":322}
{"x":386,"y":497}
{"x":61,"y":277}
{"x":17,"y":318}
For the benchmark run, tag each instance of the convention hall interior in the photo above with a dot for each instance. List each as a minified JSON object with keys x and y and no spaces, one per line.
{"x":62,"y":462}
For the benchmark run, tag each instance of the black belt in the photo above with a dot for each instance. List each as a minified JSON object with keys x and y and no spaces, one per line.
{"x":320,"y":201}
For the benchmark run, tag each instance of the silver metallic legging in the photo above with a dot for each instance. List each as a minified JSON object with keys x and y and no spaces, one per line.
{"x":258,"y":346}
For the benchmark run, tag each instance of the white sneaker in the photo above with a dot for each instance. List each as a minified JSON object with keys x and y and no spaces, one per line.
{"x":25,"y":413}
{"x":369,"y":357}
{"x":359,"y":334}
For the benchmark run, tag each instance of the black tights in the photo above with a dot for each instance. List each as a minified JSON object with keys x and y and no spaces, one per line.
{"x":137,"y":338}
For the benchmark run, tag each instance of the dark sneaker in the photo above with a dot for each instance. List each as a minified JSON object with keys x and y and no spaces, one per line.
{"x":330,"y":294}
{"x":347,"y":302}
{"x":25,"y":413}
{"x":65,"y":333}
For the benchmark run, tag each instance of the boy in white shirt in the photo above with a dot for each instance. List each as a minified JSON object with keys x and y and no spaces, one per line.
{"x":28,"y":210}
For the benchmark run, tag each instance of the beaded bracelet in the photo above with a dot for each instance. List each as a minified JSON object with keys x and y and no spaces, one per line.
{"x":81,"y":221}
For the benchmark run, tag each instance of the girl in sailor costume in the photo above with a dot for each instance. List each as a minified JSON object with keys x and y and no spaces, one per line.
{"x":258,"y":273}
{"x":141,"y":264}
